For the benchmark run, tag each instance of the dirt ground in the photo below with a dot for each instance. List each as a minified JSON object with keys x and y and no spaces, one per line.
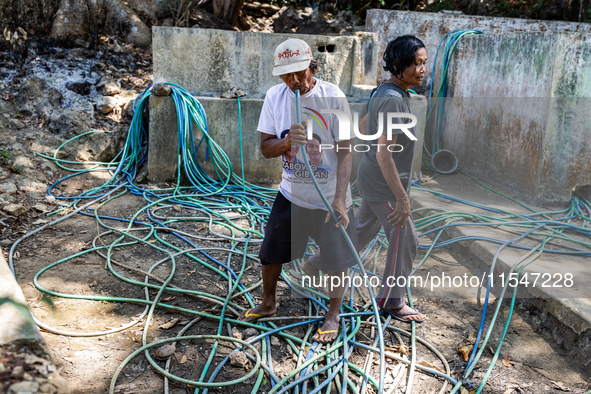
{"x":528,"y":362}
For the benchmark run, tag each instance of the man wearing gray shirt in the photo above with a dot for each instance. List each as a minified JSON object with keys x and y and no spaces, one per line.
{"x":384,"y":176}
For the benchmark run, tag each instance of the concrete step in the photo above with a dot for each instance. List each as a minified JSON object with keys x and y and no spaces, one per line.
{"x":21,"y":343}
{"x":20,"y":325}
{"x":565,"y":311}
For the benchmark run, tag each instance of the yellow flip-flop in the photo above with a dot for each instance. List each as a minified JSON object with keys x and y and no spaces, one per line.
{"x":327,"y":332}
{"x":255,"y":315}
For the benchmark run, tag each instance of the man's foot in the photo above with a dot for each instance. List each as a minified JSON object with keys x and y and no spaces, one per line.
{"x":329,"y":330}
{"x":405,"y":314}
{"x":252,"y":315}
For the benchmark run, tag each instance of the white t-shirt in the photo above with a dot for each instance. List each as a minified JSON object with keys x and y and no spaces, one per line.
{"x":277,"y":116}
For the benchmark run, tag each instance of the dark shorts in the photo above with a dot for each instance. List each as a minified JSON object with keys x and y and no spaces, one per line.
{"x":289,"y":228}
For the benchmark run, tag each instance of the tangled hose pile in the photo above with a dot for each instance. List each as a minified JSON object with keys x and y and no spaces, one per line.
{"x":233,"y":213}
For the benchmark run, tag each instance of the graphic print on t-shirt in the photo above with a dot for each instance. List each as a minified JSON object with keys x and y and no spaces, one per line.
{"x":277,"y":117}
{"x":289,"y":157}
{"x":323,"y":160}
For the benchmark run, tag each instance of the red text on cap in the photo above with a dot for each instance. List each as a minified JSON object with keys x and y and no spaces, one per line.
{"x":288,"y":53}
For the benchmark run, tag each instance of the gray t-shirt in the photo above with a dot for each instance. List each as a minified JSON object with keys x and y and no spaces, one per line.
{"x":372,"y":185}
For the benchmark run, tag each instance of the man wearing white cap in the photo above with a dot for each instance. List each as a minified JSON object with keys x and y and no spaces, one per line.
{"x":298,"y":211}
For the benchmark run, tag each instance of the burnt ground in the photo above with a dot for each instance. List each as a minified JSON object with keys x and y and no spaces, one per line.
{"x":528,"y":364}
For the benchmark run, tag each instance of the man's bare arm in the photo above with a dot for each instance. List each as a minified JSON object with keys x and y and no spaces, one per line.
{"x":388,"y":166}
{"x":344,"y":164}
{"x":271,"y":146}
{"x":362,"y":124}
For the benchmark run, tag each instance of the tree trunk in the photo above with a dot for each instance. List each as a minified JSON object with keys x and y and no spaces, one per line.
{"x":151,"y":10}
{"x":135,"y":30}
{"x":70,"y":21}
{"x":83,"y":18}
{"x":227,"y":10}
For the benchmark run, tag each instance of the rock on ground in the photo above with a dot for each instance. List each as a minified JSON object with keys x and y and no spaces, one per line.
{"x":106,"y":104}
{"x":35,"y":95}
{"x":8,"y":187}
{"x":250,"y":332}
{"x":108,"y":87}
{"x":238,"y":359}
{"x":72,"y":22}
{"x":165,"y":351}
{"x":24,"y":388}
{"x":154,"y":10}
{"x":14,"y":209}
{"x":15,"y":124}
{"x":100,"y":146}
{"x":69,"y":123}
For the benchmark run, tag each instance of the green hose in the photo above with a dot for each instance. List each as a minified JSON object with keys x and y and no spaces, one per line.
{"x":232,"y":210}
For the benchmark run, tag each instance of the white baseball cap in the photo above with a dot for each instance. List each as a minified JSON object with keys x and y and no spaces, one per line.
{"x":291,"y":56}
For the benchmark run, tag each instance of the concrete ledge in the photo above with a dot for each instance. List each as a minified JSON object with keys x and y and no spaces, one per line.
{"x":208,"y":62}
{"x":222,"y":122}
{"x":17,"y":323}
{"x":432,"y":27}
{"x":566,"y":315}
{"x":21,"y":343}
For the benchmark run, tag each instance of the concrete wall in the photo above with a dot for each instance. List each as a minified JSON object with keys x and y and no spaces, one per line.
{"x":222,"y":116}
{"x":208,"y":62}
{"x":431,"y":28}
{"x":517,"y":118}
{"x":222,"y":122}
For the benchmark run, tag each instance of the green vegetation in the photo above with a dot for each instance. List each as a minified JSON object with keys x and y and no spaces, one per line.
{"x":6,"y":162}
